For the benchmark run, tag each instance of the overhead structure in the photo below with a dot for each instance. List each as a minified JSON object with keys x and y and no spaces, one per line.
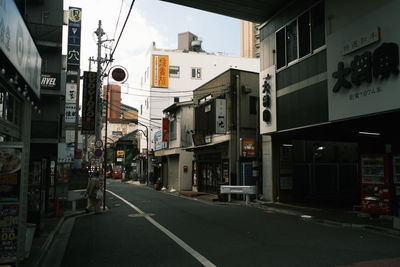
{"x":251,"y":10}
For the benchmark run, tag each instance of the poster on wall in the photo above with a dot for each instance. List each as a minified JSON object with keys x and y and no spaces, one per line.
{"x":10,"y":174}
{"x":9,"y":232}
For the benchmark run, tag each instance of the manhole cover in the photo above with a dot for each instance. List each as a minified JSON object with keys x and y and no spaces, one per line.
{"x":135,"y":215}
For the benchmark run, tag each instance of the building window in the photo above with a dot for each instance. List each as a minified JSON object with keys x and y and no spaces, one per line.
{"x":174,"y":72}
{"x":253,"y":105}
{"x":301,"y":37}
{"x":172,"y":129}
{"x":318,"y":25}
{"x":291,"y":41}
{"x":280,"y":49}
{"x":304,"y":35}
{"x":196,"y":73}
{"x":141,"y":109}
{"x":176,"y":99}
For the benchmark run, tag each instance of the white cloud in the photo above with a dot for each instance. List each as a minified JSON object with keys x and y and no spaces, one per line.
{"x":137,"y":37}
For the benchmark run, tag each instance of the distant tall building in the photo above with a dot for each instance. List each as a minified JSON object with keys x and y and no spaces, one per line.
{"x":249,"y":39}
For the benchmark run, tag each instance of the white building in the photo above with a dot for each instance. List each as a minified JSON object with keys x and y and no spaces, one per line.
{"x":172,"y":75}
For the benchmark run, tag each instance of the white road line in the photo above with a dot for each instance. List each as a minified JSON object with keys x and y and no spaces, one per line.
{"x":179,"y":241}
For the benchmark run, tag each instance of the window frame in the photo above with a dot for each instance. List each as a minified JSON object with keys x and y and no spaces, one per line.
{"x":196,"y":72}
{"x":174,"y":75}
{"x":312,"y":52}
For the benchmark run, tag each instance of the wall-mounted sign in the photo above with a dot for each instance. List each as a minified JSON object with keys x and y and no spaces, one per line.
{"x":10,"y":174}
{"x":18,"y":46}
{"x":74,"y":54}
{"x":120,"y":153}
{"x":70,"y":92}
{"x":74,"y":35}
{"x":159,"y":144}
{"x":369,"y":37}
{"x":365,"y":81}
{"x":247,"y":147}
{"x":268,"y":101}
{"x":50,"y":81}
{"x":117,"y":133}
{"x":70,"y":113}
{"x":160,"y":71}
{"x":220,"y":116}
{"x":9,"y":231}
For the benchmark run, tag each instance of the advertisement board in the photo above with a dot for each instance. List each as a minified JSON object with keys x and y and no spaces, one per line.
{"x":70,"y":93}
{"x":50,"y":81}
{"x":70,"y":111}
{"x":268,"y":118}
{"x":10,"y":174}
{"x":165,"y":129}
{"x":160,"y":71}
{"x":18,"y":46}
{"x":247,"y":147}
{"x":89,"y":102}
{"x":220,"y":116}
{"x":363,"y":62}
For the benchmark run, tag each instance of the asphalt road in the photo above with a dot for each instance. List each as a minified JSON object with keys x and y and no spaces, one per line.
{"x":144,"y":227}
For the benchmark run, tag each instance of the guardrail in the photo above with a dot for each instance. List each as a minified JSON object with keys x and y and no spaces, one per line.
{"x":239,"y":189}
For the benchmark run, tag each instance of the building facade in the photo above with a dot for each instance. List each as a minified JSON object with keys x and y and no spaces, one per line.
{"x":249,"y":39}
{"x":172,"y":75}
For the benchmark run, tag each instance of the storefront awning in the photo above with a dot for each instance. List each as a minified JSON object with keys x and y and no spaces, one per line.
{"x":192,"y":148}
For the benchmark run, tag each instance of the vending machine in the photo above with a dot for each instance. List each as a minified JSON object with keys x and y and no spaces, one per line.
{"x":376,"y":184}
{"x":396,"y":184}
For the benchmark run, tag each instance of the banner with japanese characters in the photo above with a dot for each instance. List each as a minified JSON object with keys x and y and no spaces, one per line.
{"x":9,"y":214}
{"x":160,"y":71}
{"x":89,"y":102}
{"x":363,"y":63}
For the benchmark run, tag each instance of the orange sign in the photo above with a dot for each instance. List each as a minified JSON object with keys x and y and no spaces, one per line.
{"x":248,"y":148}
{"x":160,"y":71}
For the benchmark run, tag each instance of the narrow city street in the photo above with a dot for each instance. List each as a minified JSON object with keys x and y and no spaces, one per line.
{"x":144,"y":227}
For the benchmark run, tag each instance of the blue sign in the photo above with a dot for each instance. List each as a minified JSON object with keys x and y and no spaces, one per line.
{"x":73,"y":55}
{"x":75,"y":16}
{"x":98,"y":152}
{"x":74,"y":35}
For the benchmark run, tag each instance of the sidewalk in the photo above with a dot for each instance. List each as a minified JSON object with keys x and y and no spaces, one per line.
{"x":327,"y":216}
{"x":40,"y":245}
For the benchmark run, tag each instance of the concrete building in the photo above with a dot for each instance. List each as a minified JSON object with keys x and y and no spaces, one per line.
{"x":175,"y":170}
{"x":329,"y":77}
{"x":172,"y":75}
{"x":249,"y":39}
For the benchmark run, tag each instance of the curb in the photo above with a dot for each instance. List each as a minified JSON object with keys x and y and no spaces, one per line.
{"x":44,"y":249}
{"x":375,"y":229}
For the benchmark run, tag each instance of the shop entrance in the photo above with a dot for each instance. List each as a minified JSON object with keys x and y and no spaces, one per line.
{"x":210,"y":177}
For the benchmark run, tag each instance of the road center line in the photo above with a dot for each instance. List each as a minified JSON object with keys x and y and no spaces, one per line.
{"x":179,"y":241}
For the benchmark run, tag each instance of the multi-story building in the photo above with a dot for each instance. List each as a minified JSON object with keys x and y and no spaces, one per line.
{"x":172,"y":75}
{"x":329,"y":77}
{"x":249,"y":39}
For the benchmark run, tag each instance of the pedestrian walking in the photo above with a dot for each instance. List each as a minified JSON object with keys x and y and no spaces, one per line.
{"x":91,"y":191}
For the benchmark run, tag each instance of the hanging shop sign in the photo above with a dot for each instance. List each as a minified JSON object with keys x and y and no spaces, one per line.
{"x":159,"y":144}
{"x":160,"y":71}
{"x":18,"y":46}
{"x":220,"y":116}
{"x":120,"y":153}
{"x":89,"y":102}
{"x":75,"y":16}
{"x":119,"y":74}
{"x":165,"y":129}
{"x":50,"y":81}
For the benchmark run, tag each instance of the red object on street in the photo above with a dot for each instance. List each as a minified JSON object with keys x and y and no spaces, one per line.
{"x":376,"y":184}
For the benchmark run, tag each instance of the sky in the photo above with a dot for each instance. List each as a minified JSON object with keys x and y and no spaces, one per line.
{"x":150,"y":20}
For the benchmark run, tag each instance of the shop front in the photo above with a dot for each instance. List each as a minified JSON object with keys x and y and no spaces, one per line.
{"x":19,"y":97}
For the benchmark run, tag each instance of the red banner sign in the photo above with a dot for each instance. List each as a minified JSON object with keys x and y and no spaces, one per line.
{"x":165,"y":123}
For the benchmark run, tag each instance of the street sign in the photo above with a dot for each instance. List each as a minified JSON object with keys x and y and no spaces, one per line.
{"x":98,"y":152}
{"x":119,"y":74}
{"x":98,"y":143}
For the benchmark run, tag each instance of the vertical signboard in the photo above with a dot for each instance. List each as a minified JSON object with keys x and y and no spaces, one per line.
{"x":160,"y":71}
{"x":89,"y":102}
{"x":165,"y":124}
{"x":74,"y":36}
{"x":220,"y":116}
{"x":18,"y":46}
{"x":268,"y":119}
{"x":10,"y":177}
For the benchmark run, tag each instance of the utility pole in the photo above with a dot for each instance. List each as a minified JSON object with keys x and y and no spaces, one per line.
{"x":99,"y":32}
